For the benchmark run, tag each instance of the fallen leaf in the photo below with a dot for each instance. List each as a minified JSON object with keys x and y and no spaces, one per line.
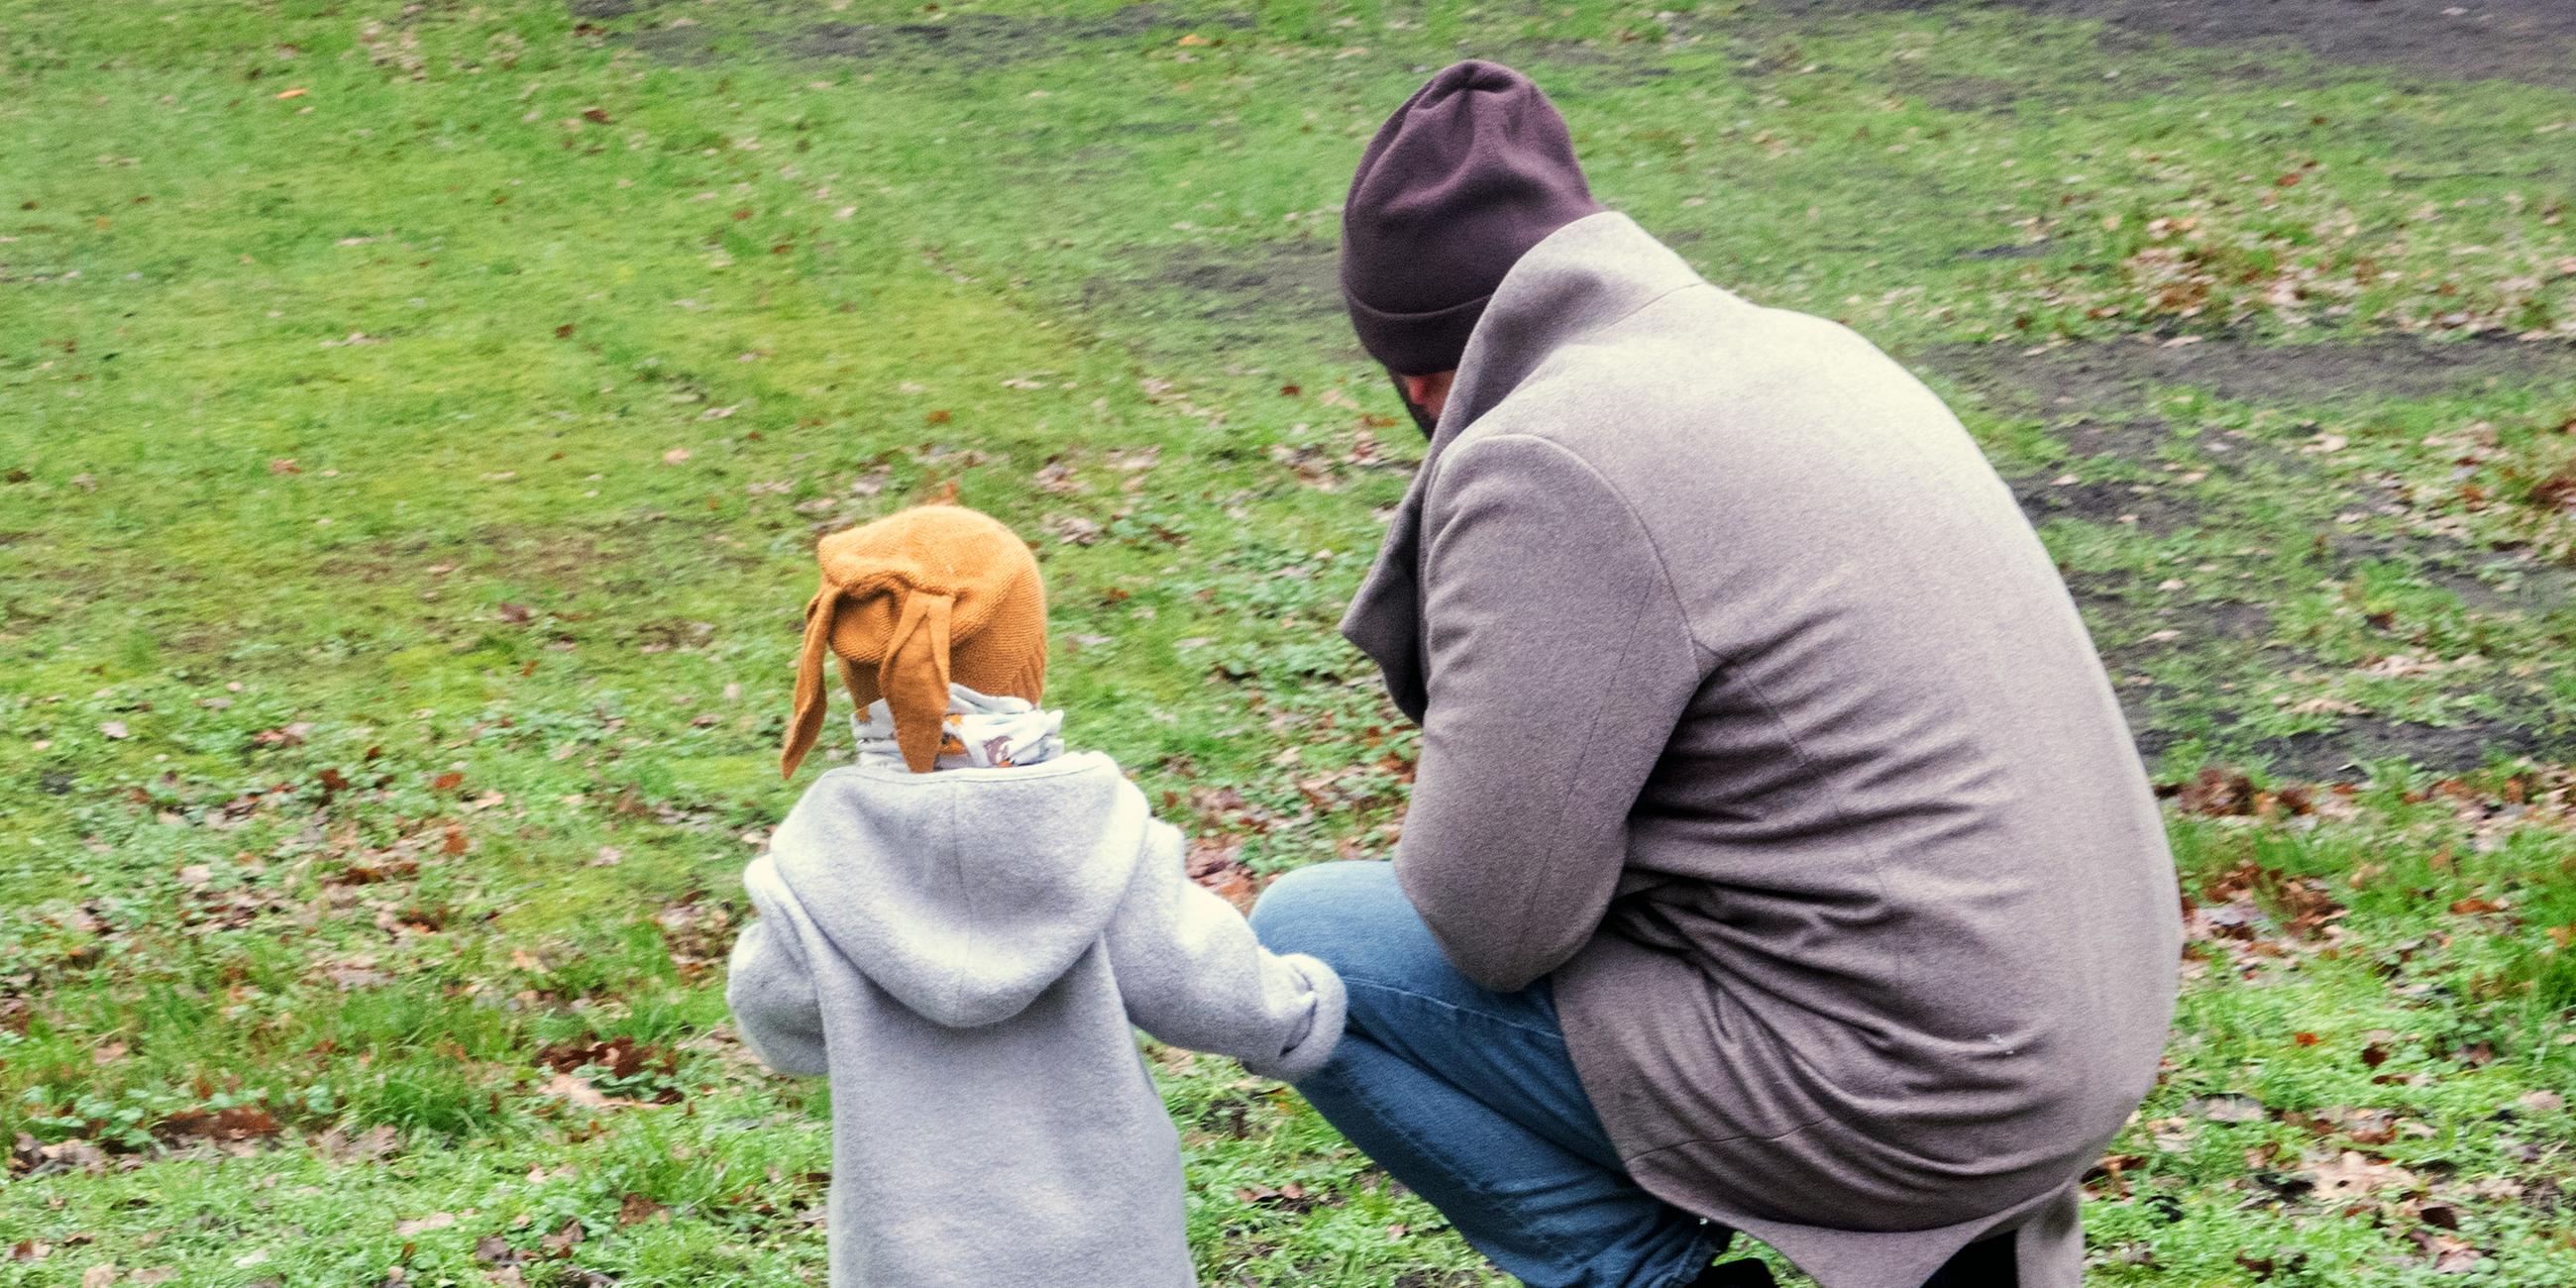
{"x":434,"y":1221}
{"x":2226,"y":1107}
{"x":1071,"y":529}
{"x":2355,"y":1175}
{"x":581,"y":1093}
{"x":238,"y":1123}
{"x":113,"y":728}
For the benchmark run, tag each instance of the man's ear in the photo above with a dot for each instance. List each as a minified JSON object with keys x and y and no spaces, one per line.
{"x":1422,"y":419}
{"x":1430,"y":392}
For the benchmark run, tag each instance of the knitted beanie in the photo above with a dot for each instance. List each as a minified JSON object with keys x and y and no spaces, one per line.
{"x":911,"y":603}
{"x":1470,"y":173}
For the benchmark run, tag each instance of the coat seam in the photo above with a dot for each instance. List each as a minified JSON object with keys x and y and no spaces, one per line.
{"x":1595,"y":720}
{"x":1645,"y":534}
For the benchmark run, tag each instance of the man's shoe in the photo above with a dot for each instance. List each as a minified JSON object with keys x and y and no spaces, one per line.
{"x":1987,"y":1263}
{"x":1745,"y":1273}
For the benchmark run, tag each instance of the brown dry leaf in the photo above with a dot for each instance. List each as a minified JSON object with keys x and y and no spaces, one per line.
{"x":563,"y":1240}
{"x":292,"y":735}
{"x":1057,"y":477}
{"x":2353,"y":1175}
{"x":99,"y":1276}
{"x":636,"y":1209}
{"x":239,"y":1123}
{"x":1214,"y":863}
{"x":349,"y":978}
{"x":1071,"y":529}
{"x":676,"y":456}
{"x":340,"y":1147}
{"x":582,"y":1093}
{"x":434,"y":1221}
{"x":2226,"y":1107}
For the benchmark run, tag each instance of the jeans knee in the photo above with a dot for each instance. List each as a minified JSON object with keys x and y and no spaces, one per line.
{"x":1328,"y":910}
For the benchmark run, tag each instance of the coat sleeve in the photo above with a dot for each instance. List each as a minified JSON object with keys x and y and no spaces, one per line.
{"x":1193,"y":975}
{"x":769,"y":985}
{"x":1558,"y":663}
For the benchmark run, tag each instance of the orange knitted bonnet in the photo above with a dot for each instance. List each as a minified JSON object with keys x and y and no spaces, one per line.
{"x":911,"y":603}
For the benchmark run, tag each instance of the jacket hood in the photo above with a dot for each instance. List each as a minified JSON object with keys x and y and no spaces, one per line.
{"x":966,"y":892}
{"x":1585,"y":278}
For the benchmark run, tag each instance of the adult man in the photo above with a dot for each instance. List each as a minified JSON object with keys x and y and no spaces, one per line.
{"x":1778,"y":860}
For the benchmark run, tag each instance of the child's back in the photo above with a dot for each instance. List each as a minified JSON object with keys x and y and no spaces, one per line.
{"x":963,"y":952}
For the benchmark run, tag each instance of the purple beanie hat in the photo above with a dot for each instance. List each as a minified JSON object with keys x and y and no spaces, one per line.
{"x":1470,"y":173}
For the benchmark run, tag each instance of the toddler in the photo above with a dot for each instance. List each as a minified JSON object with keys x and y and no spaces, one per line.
{"x":960,"y":929}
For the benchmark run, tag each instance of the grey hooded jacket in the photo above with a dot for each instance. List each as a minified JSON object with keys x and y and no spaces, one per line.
{"x":1755,"y":715}
{"x":963,"y":953}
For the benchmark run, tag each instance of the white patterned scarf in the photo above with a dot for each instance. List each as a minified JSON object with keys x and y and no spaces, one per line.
{"x":980,"y":732}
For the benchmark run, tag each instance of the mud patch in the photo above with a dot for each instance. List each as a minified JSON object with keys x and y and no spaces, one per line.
{"x":1256,"y":295}
{"x":2338,"y":755}
{"x":2484,"y":581}
{"x":972,"y":40}
{"x":2524,"y":40}
{"x":2141,"y":506}
{"x":2115,"y":372}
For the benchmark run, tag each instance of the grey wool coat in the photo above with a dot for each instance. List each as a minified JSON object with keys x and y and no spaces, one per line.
{"x":963,"y":953}
{"x":1755,"y":715}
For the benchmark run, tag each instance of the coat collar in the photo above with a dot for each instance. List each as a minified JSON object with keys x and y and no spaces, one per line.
{"x":1584,"y":277}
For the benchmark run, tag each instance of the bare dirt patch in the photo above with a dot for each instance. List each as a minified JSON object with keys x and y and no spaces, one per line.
{"x":1248,"y":296}
{"x":2335,"y":755}
{"x":957,"y":42}
{"x":2524,"y":40}
{"x":2141,"y":506}
{"x":2379,"y":367}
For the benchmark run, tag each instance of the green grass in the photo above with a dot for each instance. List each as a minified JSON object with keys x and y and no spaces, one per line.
{"x":415,"y":421}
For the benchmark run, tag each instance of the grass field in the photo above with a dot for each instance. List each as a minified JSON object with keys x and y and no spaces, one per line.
{"x":415,"y":420}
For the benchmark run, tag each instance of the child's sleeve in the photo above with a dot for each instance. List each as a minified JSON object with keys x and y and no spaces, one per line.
{"x":1193,"y":975}
{"x":769,"y":986}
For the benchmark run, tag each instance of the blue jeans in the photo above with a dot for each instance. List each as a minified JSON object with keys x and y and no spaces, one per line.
{"x":1469,"y":1098}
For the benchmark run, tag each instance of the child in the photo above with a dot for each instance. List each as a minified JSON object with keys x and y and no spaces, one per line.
{"x":961,"y":928}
